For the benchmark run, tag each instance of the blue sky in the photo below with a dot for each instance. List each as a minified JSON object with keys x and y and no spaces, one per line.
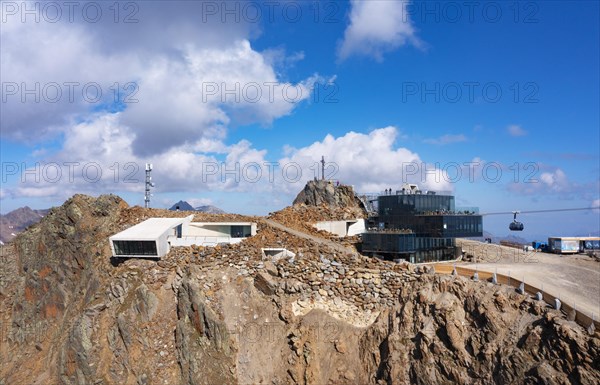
{"x":507,"y":91}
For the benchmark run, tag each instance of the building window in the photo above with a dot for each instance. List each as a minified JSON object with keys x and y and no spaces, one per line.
{"x":240,"y":231}
{"x":135,"y":248}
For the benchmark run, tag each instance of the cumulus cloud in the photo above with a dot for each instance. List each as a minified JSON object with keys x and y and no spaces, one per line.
{"x":188,"y":85}
{"x":191,"y":81}
{"x":556,"y":180}
{"x":446,"y":139}
{"x":516,"y":130}
{"x":370,"y":162}
{"x":50,"y":73}
{"x":168,"y":97}
{"x":210,"y":90}
{"x":97,"y":157}
{"x":552,"y":181}
{"x":377,"y":27}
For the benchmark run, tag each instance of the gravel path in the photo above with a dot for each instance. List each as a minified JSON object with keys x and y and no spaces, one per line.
{"x":575,"y":278}
{"x":300,"y":234}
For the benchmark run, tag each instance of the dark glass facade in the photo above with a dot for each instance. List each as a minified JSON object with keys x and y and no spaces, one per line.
{"x":403,"y":204}
{"x":389,"y":242}
{"x":418,"y":227}
{"x":135,"y":248}
{"x":241,"y":231}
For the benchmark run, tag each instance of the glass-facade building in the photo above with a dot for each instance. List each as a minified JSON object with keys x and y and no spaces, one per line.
{"x":140,"y":248}
{"x":419,"y":227}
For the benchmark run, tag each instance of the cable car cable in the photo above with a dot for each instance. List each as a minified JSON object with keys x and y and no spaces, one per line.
{"x":542,"y":211}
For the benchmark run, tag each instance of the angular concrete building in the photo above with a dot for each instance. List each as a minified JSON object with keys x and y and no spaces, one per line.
{"x":154,"y":237}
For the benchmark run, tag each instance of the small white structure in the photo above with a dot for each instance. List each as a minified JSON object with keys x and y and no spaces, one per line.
{"x":154,"y":237}
{"x":345,"y":228}
{"x":276,"y":253}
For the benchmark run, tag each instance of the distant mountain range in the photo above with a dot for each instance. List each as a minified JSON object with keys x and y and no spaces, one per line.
{"x":14,"y":222}
{"x":185,"y":206}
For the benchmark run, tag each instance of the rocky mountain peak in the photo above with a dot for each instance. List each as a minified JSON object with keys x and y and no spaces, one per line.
{"x":328,"y":193}
{"x":185,"y":206}
{"x":14,"y":222}
{"x":182,"y":206}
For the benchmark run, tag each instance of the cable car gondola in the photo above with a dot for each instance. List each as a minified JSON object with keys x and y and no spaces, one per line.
{"x":518,"y":226}
{"x":514,"y":225}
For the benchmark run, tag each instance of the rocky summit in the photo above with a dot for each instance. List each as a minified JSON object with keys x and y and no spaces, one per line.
{"x":185,"y":206}
{"x":18,"y":220}
{"x":330,"y":194}
{"x":231,"y":315}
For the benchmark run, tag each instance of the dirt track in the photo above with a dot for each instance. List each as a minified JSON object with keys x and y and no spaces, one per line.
{"x":575,"y":278}
{"x":336,"y":246}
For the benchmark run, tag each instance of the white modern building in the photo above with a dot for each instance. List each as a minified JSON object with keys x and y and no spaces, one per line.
{"x":345,"y":228}
{"x":154,"y":237}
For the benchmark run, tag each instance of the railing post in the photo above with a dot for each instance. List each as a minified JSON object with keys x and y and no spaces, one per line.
{"x":522,"y":286}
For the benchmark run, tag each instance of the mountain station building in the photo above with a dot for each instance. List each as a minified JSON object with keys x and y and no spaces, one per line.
{"x":418,"y":226}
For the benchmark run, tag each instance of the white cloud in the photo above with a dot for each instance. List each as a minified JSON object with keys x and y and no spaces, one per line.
{"x":197,"y":202}
{"x":177,"y":122}
{"x":38,"y":192}
{"x":376,"y":27}
{"x":446,"y":139}
{"x":555,"y":180}
{"x":278,"y":58}
{"x":43,"y":58}
{"x":516,"y":130}
{"x":368,"y":161}
{"x":174,"y":106}
{"x":97,"y":157}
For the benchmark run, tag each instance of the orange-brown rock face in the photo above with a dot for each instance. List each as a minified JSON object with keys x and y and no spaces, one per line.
{"x":227,"y":315}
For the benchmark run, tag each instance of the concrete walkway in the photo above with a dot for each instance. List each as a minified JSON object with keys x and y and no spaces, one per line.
{"x":573,"y":278}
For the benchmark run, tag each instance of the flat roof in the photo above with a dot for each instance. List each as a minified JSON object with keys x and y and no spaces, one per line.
{"x":341,"y":220}
{"x":149,"y":229}
{"x":222,"y":223}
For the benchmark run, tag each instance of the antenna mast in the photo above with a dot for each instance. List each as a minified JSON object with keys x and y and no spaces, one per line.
{"x":322,"y":167}
{"x":149,"y":184}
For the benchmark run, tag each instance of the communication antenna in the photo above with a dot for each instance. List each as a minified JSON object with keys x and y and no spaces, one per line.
{"x":149,"y":184}
{"x":322,"y":167}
